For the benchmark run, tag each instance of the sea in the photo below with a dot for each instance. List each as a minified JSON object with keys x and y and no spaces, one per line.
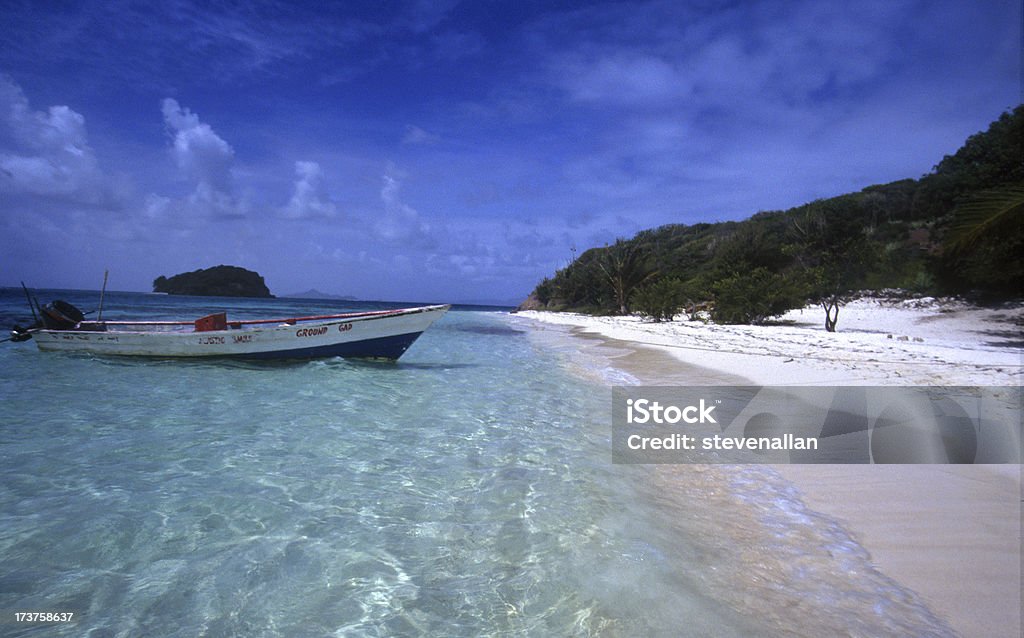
{"x":466,"y":490}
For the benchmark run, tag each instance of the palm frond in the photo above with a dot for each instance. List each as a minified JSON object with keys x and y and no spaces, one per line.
{"x":987,"y":213}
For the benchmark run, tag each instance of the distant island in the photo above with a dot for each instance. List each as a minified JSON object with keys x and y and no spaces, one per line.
{"x":219,"y":281}
{"x":313,"y":293}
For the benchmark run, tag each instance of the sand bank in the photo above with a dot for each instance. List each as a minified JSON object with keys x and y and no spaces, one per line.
{"x":950,"y":533}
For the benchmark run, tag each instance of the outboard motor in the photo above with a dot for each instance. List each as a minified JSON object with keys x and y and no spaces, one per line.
{"x":60,"y":315}
{"x":19,"y":333}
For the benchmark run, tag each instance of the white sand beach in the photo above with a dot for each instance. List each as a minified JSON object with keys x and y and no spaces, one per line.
{"x":950,"y":533}
{"x":915,"y":342}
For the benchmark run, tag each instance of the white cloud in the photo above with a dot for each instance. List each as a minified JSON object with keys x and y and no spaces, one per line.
{"x":401,"y":224}
{"x":206,"y":159}
{"x":202,"y":154}
{"x":47,"y":153}
{"x":625,"y":79}
{"x":767,"y":57}
{"x":207,"y":201}
{"x":155,"y":207}
{"x":416,"y":135}
{"x":310,"y":198}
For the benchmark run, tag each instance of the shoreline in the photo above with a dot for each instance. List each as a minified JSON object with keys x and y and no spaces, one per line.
{"x":950,"y":533}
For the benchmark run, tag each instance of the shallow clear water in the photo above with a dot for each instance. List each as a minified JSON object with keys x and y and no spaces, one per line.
{"x":466,"y":490}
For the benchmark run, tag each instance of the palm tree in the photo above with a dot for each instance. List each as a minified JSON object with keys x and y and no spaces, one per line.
{"x":987,"y":214}
{"x":624,"y":269}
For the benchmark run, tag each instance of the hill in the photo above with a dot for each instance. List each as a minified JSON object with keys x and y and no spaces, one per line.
{"x":313,"y":293}
{"x":218,"y":281}
{"x":956,"y":230}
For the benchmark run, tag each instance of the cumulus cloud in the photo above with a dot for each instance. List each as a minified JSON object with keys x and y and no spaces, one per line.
{"x":202,"y":154}
{"x":47,"y":153}
{"x":206,"y":201}
{"x":401,"y":224}
{"x":204,"y":158}
{"x":309,"y":199}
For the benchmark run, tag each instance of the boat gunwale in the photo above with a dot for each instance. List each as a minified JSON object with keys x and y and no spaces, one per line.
{"x":235,"y":324}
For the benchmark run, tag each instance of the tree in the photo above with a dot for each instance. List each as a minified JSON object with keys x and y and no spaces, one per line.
{"x":624,"y":270}
{"x":661,"y":300}
{"x":987,"y":214}
{"x":884,"y":236}
{"x":988,"y":159}
{"x":754,"y":296}
{"x":545,"y":291}
{"x":834,"y":250}
{"x":985,"y":241}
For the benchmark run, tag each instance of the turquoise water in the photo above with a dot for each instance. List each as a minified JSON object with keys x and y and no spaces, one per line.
{"x":466,"y":490}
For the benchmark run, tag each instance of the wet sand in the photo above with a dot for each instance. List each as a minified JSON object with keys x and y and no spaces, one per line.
{"x":951,"y":533}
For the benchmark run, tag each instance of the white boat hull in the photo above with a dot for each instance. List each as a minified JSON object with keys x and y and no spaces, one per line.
{"x":375,"y":335}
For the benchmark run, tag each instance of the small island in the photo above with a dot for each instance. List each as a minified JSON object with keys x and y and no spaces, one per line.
{"x":219,"y":281}
{"x":313,"y":293}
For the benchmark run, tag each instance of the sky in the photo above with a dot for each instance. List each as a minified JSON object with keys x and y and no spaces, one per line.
{"x":457,"y":151}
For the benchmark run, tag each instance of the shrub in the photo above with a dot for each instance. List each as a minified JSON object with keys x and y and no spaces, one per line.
{"x":661,"y":300}
{"x":755,"y":296}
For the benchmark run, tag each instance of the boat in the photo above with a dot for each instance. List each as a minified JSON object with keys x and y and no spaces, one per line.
{"x":383,"y":334}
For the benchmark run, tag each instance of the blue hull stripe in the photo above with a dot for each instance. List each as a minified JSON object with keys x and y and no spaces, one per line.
{"x":381,"y":348}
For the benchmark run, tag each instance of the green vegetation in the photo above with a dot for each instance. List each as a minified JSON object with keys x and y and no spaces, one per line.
{"x":661,"y":300}
{"x":624,"y":271}
{"x":957,"y":230}
{"x":219,"y":281}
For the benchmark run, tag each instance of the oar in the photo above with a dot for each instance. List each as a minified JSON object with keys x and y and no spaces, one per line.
{"x":28,"y":297}
{"x":103,"y":291}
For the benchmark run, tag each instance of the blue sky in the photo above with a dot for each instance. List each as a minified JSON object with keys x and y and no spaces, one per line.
{"x":459,"y":151}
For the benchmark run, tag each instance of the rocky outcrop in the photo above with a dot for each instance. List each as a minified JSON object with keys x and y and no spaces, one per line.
{"x":531,"y":303}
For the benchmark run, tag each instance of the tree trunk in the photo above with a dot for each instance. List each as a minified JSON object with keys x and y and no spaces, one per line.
{"x":620,"y":294}
{"x":831,"y":307}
